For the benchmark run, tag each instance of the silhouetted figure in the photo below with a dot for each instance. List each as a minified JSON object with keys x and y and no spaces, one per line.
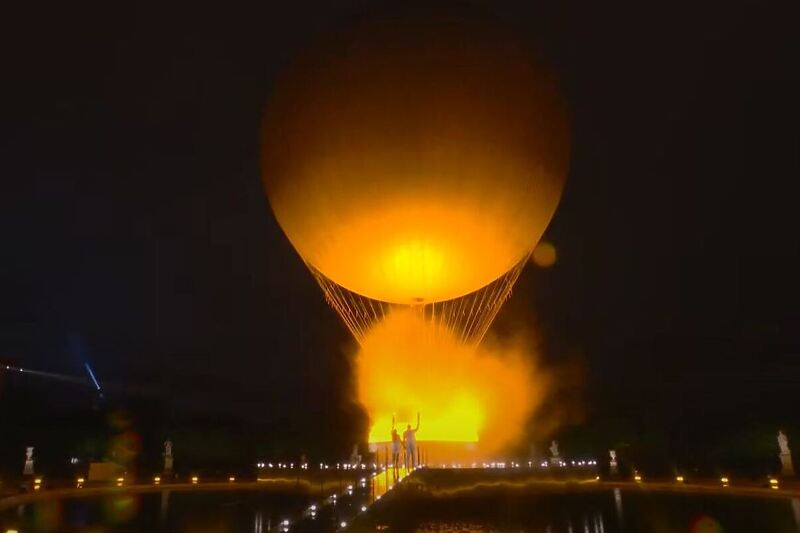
{"x":396,"y":445}
{"x":410,"y":441}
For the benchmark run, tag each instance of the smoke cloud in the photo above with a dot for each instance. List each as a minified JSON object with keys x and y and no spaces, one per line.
{"x":481,"y":394}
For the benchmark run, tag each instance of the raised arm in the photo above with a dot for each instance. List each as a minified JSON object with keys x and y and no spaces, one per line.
{"x":392,"y":421}
{"x":417,"y":428}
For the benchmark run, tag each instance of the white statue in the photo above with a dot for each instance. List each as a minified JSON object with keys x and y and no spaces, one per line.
{"x":554,"y":448}
{"x":612,"y":464}
{"x":168,"y":456}
{"x":787,"y":468}
{"x":613,"y":455}
{"x":28,"y":470}
{"x":783,"y":442}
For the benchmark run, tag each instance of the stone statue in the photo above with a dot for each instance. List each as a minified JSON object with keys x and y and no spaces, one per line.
{"x":168,"y":456}
{"x":612,"y":464}
{"x":554,"y":449}
{"x":28,"y":470}
{"x":787,"y":469}
{"x":555,"y":460}
{"x":783,"y":442}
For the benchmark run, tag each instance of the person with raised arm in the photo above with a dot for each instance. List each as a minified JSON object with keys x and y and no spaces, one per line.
{"x":410,"y":441}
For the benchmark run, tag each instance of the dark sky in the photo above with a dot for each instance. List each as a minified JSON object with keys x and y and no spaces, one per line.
{"x":135,"y":232}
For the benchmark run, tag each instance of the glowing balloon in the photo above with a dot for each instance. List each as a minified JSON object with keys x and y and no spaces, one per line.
{"x":415,"y":165}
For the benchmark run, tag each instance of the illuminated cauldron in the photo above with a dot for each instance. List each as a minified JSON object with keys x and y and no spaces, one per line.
{"x":414,"y":168}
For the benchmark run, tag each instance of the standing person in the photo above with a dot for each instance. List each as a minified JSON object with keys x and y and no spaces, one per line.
{"x":410,"y":440}
{"x":396,"y":443}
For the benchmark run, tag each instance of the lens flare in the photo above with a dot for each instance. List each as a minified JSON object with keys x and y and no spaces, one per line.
{"x":544,"y":255}
{"x":480,"y":395}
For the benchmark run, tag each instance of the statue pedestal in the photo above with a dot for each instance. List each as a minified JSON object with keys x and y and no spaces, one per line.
{"x":168,"y":464}
{"x":613,"y":469}
{"x":28,"y":470}
{"x":555,"y":461}
{"x":787,"y":469}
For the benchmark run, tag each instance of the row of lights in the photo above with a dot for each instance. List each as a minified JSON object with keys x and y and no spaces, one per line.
{"x":514,"y":464}
{"x":120,"y":481}
{"x":724,"y":480}
{"x":322,"y":466}
{"x":637,"y":477}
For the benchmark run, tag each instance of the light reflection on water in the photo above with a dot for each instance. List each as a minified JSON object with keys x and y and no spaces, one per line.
{"x":164,"y":511}
{"x":593,"y":524}
{"x":258,"y":522}
{"x":598,"y":511}
{"x":410,"y":510}
{"x":164,"y":506}
{"x":453,"y":527}
{"x":796,"y":511}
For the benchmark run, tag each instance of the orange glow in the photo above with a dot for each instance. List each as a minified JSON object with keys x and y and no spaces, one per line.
{"x":415,"y":164}
{"x":408,"y":365}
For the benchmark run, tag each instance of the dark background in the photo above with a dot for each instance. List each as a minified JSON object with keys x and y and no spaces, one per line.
{"x":136,"y":236}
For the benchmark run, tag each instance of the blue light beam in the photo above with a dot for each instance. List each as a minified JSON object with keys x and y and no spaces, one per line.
{"x":91,"y":375}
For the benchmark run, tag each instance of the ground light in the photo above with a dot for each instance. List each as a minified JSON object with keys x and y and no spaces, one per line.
{"x":724,"y":481}
{"x":773,"y":483}
{"x":679,"y":479}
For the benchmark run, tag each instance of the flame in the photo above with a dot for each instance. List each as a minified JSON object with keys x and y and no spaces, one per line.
{"x":409,"y":365}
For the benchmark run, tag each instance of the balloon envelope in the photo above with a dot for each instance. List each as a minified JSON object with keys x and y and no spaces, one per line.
{"x":415,"y":164}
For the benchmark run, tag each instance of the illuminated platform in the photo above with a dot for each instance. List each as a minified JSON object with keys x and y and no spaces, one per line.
{"x":435,"y":453}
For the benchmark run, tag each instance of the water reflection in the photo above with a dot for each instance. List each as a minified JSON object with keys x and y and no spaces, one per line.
{"x":410,"y":509}
{"x":591,"y":524}
{"x":164,"y":509}
{"x":452,"y":527}
{"x":598,"y":520}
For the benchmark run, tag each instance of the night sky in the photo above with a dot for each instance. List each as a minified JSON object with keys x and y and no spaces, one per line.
{"x":136,"y":234}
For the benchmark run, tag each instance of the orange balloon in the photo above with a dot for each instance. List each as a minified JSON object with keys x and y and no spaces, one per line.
{"x":415,"y":163}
